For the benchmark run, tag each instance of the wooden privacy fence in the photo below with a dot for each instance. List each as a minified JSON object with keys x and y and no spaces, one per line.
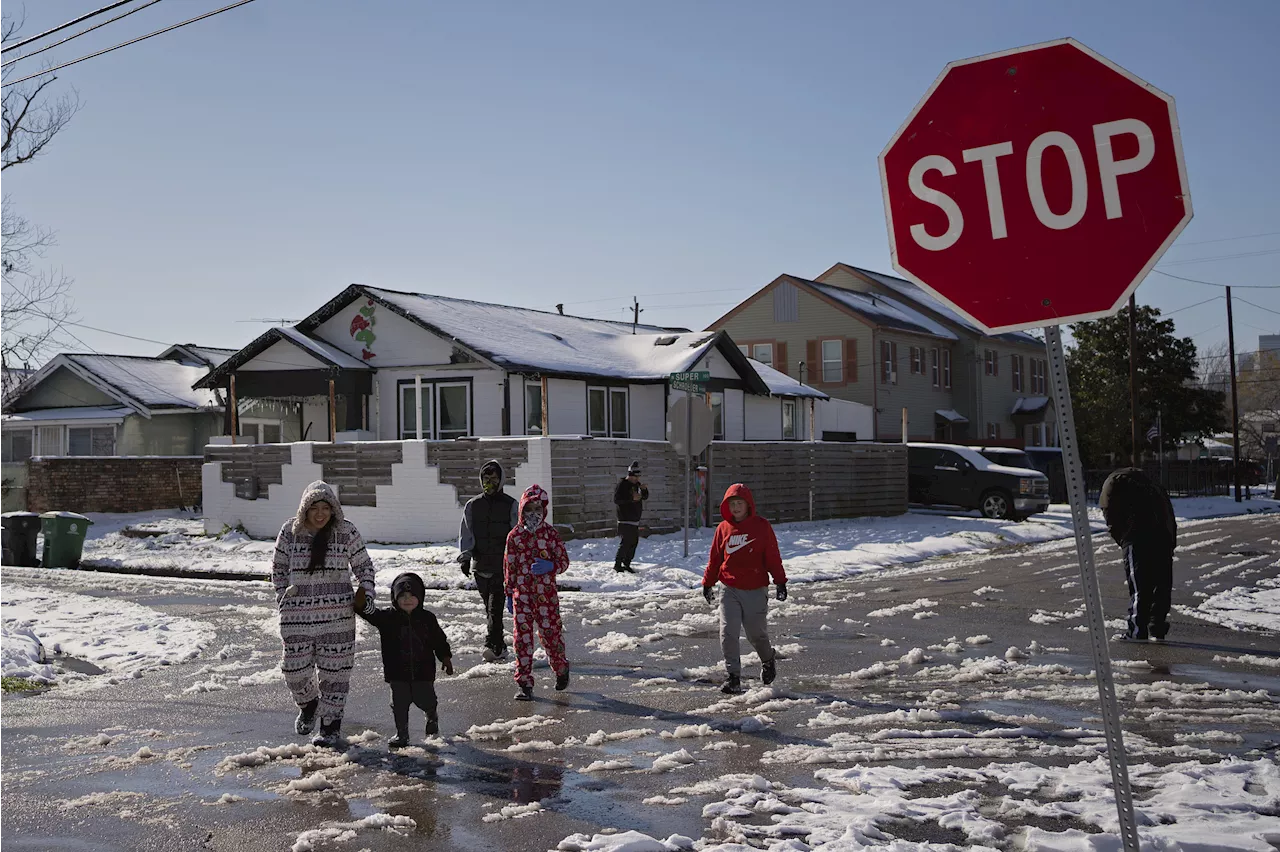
{"x":844,"y":480}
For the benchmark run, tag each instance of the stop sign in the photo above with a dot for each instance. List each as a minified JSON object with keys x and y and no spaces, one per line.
{"x":1036,"y":186}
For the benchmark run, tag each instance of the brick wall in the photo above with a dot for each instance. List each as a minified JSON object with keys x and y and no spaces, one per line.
{"x":113,"y":484}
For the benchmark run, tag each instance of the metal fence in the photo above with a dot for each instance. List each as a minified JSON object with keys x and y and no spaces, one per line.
{"x":1198,"y":478}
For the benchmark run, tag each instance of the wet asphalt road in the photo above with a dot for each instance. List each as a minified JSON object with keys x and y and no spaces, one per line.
{"x":826,"y":631}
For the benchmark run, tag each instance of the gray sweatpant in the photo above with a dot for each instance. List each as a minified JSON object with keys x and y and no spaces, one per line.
{"x":739,"y":609}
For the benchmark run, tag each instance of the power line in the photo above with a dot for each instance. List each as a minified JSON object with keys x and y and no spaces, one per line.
{"x":1215,"y":257}
{"x":61,"y":27}
{"x":77,"y":35}
{"x":131,"y":41}
{"x":1216,"y":284}
{"x":1189,"y":307}
{"x":1229,"y":239}
{"x":1259,"y":307}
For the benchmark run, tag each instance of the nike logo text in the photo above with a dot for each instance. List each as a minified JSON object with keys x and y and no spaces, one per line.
{"x":736,"y":543}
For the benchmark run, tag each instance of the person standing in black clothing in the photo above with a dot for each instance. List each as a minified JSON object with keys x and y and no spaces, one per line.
{"x":412,"y":641}
{"x":1140,"y":518}
{"x":482,"y":538}
{"x":629,"y":497}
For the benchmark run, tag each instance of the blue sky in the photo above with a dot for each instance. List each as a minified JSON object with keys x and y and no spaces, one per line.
{"x":254,"y":164}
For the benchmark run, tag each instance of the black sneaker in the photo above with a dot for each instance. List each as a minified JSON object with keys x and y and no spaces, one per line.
{"x":525,"y":694}
{"x":306,"y":721}
{"x":401,"y":740}
{"x":732,"y":686}
{"x":618,"y":566}
{"x":330,"y":732}
{"x":562,"y":681}
{"x":769,"y":670}
{"x":433,"y":726}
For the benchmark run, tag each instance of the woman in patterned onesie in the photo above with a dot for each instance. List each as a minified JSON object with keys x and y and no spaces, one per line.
{"x":317,"y":554}
{"x":534,"y":557}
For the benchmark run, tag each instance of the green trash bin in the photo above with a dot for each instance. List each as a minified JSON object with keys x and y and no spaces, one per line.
{"x":64,"y":534}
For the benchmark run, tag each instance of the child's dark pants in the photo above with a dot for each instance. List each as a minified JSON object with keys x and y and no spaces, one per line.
{"x":406,"y":692}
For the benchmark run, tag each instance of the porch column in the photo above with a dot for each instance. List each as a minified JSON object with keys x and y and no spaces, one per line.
{"x":235,"y":412}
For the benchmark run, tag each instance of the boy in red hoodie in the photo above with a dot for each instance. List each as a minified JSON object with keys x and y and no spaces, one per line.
{"x":744,"y":553}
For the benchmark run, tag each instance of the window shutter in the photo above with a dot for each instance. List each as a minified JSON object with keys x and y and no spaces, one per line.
{"x":1013,"y":371}
{"x":811,"y":363}
{"x":893,"y":356}
{"x":995,"y":363}
{"x":780,"y":362}
{"x":850,"y":360}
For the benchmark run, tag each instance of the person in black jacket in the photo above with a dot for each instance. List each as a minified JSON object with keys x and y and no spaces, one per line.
{"x":412,"y":641}
{"x":629,"y":497}
{"x":482,"y":538}
{"x":1140,"y":518}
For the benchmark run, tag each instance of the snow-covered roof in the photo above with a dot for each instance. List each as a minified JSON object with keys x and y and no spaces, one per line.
{"x":526,"y":339}
{"x":780,"y":384}
{"x":916,"y":294}
{"x":1030,"y":404}
{"x":44,"y":415}
{"x":211,"y":356}
{"x":323,"y":350}
{"x":151,"y":382}
{"x":882,"y":311}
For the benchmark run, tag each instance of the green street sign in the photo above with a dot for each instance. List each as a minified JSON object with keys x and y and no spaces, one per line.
{"x":694,"y":382}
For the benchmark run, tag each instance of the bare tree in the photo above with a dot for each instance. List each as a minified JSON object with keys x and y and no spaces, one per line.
{"x":36,"y":301}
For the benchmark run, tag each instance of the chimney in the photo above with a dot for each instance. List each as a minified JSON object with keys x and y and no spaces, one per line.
{"x":560,"y":308}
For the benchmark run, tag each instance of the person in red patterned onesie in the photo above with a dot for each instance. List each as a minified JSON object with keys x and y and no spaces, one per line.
{"x":534,"y":557}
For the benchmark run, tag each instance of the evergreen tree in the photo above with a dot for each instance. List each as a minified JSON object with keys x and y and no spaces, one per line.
{"x":1098,"y":369}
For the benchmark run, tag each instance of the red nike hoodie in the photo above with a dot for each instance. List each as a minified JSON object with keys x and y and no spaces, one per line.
{"x":743,"y":553}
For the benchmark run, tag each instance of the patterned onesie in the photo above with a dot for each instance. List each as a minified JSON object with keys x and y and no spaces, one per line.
{"x":317,"y":618}
{"x":535,"y":601}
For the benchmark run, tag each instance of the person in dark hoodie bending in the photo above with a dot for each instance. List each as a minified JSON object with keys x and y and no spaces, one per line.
{"x":482,"y":539}
{"x":412,"y":641}
{"x":1140,"y":518}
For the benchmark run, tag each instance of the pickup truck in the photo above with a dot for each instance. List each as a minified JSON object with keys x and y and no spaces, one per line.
{"x":955,"y":475}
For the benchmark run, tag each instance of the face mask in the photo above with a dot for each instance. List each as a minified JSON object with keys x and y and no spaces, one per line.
{"x":533,"y":517}
{"x":489,"y":483}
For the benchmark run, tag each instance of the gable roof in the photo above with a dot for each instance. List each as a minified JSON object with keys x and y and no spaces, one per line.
{"x":780,"y":384}
{"x":882,"y":311}
{"x":210,"y":356}
{"x":141,"y":383}
{"x":325,"y":353}
{"x":528,"y":340}
{"x":913,"y":293}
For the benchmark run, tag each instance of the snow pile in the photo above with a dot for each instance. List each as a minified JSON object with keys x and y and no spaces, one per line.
{"x":675,"y":760}
{"x":120,"y":637}
{"x":344,"y":832}
{"x":22,"y":654}
{"x":505,"y":729}
{"x":1243,"y":608}
{"x":608,"y":765}
{"x":625,"y":841}
{"x":514,"y":812}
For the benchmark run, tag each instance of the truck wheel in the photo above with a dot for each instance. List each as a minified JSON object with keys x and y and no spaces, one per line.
{"x":996,"y":504}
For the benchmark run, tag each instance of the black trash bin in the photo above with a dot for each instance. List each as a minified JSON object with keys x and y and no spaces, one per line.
{"x":19,"y":538}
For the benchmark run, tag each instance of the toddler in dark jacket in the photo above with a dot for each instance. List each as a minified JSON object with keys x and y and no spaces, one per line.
{"x":412,"y":641}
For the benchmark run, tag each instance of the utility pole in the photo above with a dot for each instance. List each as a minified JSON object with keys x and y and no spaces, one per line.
{"x":1235,"y":410}
{"x":1133,"y":381}
{"x":636,"y":310}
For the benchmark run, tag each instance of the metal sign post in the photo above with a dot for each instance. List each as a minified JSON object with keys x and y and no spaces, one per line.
{"x":1089,"y":586}
{"x":688,"y":463}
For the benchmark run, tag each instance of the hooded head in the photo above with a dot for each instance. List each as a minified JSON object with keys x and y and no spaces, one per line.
{"x":533,"y":505}
{"x":737,"y":489}
{"x":634,"y":469}
{"x":491,"y":476}
{"x":317,"y":492}
{"x":408,"y":582}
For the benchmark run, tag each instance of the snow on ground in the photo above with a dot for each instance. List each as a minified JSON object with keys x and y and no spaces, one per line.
{"x":816,"y":550}
{"x":1242,"y":607}
{"x":122,"y":638}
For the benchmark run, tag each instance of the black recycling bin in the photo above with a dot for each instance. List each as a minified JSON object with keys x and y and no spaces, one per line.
{"x":19,"y":538}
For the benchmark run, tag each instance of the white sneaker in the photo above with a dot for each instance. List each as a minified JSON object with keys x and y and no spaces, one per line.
{"x":489,"y":656}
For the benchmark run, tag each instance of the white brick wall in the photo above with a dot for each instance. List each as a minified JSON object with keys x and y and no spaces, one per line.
{"x":415,"y":507}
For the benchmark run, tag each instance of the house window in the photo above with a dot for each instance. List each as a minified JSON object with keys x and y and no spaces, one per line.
{"x":412,"y":410}
{"x":717,"y":416}
{"x":934,"y":368}
{"x":763,"y":352}
{"x":888,"y":363}
{"x":453,"y":403}
{"x":17,"y":445}
{"x":618,"y":419}
{"x":744,"y":349}
{"x":946,"y":368}
{"x":917,"y":360}
{"x":533,"y":409}
{"x":1015,"y":364}
{"x":597,"y":412}
{"x":991,"y":363}
{"x":1039,"y":371}
{"x":789,"y":419}
{"x":91,"y":441}
{"x":832,"y":361}
{"x":261,"y":431}
{"x":49,"y":441}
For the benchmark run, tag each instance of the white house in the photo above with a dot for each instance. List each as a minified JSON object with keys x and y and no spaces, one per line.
{"x":377,"y":364}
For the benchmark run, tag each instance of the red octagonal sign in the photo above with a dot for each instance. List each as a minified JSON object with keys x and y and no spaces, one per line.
{"x":1035,"y":187}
